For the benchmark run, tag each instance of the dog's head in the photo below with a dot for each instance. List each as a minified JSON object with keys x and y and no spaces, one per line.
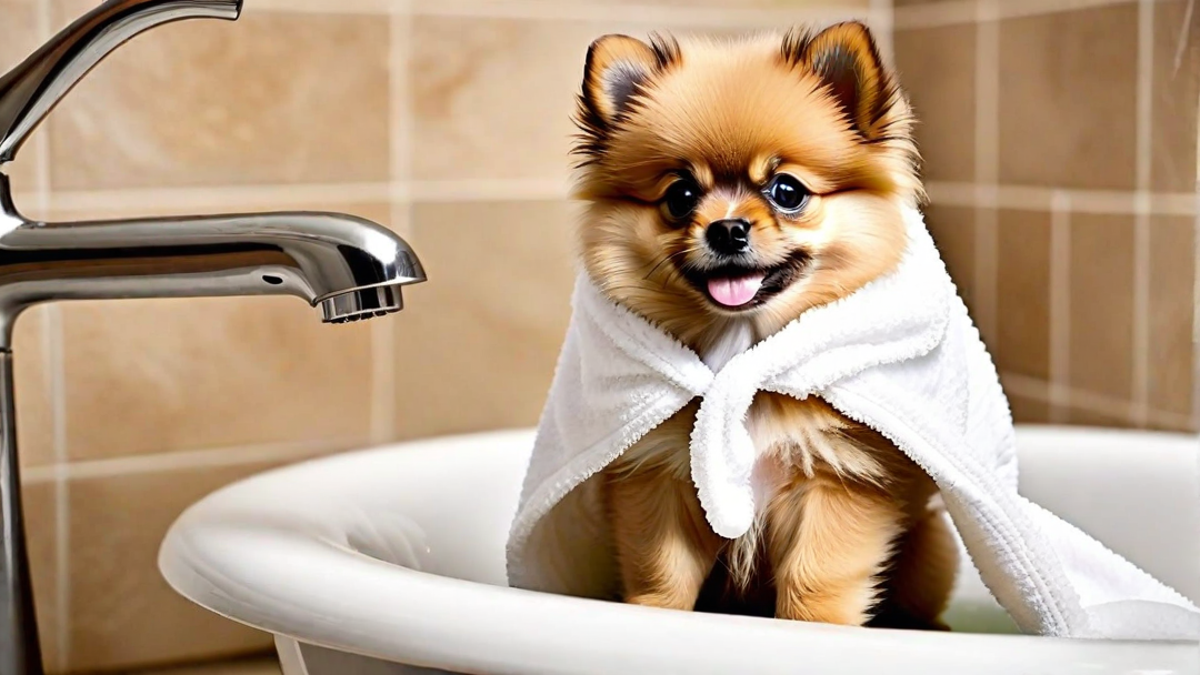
{"x":741,"y":180}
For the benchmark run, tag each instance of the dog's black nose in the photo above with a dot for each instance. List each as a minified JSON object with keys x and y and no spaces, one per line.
{"x":728,"y":237}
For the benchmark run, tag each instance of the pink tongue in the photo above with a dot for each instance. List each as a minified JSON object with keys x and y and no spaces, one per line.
{"x":735,"y":292}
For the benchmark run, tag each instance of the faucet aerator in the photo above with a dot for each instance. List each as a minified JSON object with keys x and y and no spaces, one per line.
{"x":362,"y":303}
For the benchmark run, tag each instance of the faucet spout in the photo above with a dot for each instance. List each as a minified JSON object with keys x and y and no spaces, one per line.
{"x":350,"y":267}
{"x":32,"y":89}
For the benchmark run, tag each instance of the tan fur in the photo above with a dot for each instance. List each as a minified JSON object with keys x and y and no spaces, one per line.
{"x":843,"y":531}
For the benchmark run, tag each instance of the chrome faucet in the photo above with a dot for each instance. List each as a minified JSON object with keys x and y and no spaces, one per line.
{"x":349,"y":267}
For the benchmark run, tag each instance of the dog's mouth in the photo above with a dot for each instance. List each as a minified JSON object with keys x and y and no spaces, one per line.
{"x":738,"y":287}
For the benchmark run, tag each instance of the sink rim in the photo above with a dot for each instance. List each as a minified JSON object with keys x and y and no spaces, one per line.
{"x":317,"y":590}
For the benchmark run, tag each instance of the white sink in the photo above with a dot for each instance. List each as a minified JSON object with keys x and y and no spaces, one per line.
{"x":391,"y":560}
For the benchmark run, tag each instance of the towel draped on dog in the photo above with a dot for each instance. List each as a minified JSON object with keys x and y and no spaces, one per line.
{"x":900,"y":355}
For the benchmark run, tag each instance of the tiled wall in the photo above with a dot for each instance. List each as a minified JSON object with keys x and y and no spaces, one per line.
{"x":1061,"y":149}
{"x":448,"y":120}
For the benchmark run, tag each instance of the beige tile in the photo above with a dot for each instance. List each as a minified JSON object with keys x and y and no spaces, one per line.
{"x":480,"y":342}
{"x":167,"y":375}
{"x":493,"y":97}
{"x":1180,"y":424}
{"x":272,"y":98}
{"x":1023,"y":294}
{"x":937,"y":67}
{"x":123,"y":614}
{"x":1027,"y":410}
{"x":1176,"y":90}
{"x":953,"y":231}
{"x":32,"y":382}
{"x":1172,"y":301}
{"x":20,"y":31}
{"x":1095,"y":418}
{"x":909,"y":3}
{"x":1101,"y":297}
{"x":148,"y":376}
{"x":41,"y":537}
{"x":18,"y":39}
{"x":1067,"y":98}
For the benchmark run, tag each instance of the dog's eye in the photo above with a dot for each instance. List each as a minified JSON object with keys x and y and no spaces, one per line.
{"x":787,"y":193}
{"x":681,"y":198}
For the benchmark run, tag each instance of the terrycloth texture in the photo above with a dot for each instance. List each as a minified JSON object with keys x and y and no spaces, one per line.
{"x":900,"y":355}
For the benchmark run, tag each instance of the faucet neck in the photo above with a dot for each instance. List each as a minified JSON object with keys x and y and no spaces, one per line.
{"x":10,"y":217}
{"x":30,"y":91}
{"x":7,"y":207}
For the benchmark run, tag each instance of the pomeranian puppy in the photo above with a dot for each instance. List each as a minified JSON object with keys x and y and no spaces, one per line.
{"x":730,"y":187}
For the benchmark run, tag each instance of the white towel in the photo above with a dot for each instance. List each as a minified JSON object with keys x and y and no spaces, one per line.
{"x":900,"y":355}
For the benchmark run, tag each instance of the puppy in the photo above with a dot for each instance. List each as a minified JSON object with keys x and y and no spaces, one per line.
{"x":730,"y":187}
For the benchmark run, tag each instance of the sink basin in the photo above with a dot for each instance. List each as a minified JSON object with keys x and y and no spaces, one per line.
{"x":391,"y":560}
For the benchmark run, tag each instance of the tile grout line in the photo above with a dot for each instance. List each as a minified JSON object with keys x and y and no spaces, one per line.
{"x":1184,"y":33}
{"x":180,"y":460}
{"x":644,"y":14}
{"x":52,"y":344}
{"x":1196,"y":306}
{"x":204,"y":197}
{"x":320,"y":7}
{"x":1196,"y":297}
{"x":1038,"y":198}
{"x":987,"y":74}
{"x":930,"y":15}
{"x":490,"y":189}
{"x":1060,"y":305}
{"x":882,"y":15}
{"x":957,"y":12}
{"x":936,"y":14}
{"x":400,"y":104}
{"x":406,"y":206}
{"x":207,"y":197}
{"x":538,"y":10}
{"x":1025,"y":386}
{"x":53,"y":337}
{"x":1140,"y":403}
{"x":383,"y":331}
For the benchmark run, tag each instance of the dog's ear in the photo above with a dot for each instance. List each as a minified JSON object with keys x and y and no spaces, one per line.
{"x":616,"y":66}
{"x":845,"y":57}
